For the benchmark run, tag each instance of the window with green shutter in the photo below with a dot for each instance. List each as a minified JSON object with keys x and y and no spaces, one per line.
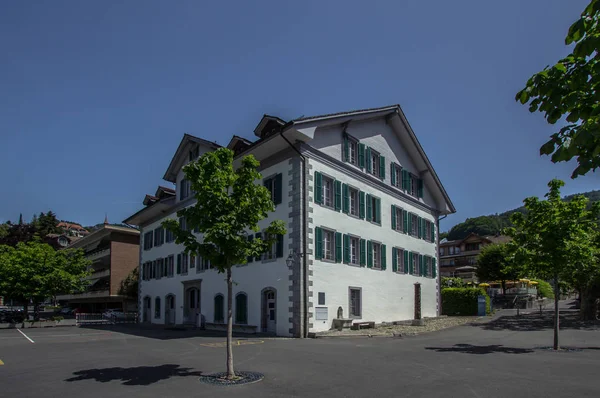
{"x":345,"y":198}
{"x":394,"y":260}
{"x":419,"y":227}
{"x":346,"y":147}
{"x":378,"y":211}
{"x":258,"y":235}
{"x":361,"y":156}
{"x":346,"y":249}
{"x":318,"y":243}
{"x":405,"y":221}
{"x":363,"y":255}
{"x":369,"y":254}
{"x":432,"y":232}
{"x":421,"y":265}
{"x":338,"y":195}
{"x":433,"y":268}
{"x":179,"y":263}
{"x":338,"y":247}
{"x":368,"y":160}
{"x":411,"y":264}
{"x":277,"y":189}
{"x":383,"y":257}
{"x":382,"y":167}
{"x":362,"y":200}
{"x":405,"y":180}
{"x":406,"y":262}
{"x":318,"y":188}
{"x":369,"y":208}
{"x":393,"y":217}
{"x":420,"y":188}
{"x":393,"y":174}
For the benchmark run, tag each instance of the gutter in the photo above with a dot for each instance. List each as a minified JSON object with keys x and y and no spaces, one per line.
{"x":439,"y":265}
{"x":303,"y":255}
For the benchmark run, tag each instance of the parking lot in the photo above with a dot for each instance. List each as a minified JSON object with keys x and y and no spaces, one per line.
{"x":496,"y":360}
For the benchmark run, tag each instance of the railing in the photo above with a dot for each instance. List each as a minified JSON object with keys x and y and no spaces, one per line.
{"x":89,"y":294}
{"x":97,"y":254}
{"x":98,"y":275}
{"x":100,"y":319}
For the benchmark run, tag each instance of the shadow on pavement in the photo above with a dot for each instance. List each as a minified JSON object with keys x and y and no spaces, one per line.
{"x":138,"y":376}
{"x":536,"y":322}
{"x":481,"y":349}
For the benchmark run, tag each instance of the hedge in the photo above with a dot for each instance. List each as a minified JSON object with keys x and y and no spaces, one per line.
{"x":544,"y":289}
{"x":462,"y":300}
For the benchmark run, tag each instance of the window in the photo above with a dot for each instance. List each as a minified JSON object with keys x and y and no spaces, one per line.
{"x":157,"y":307}
{"x":373,"y":209}
{"x":192,"y":261}
{"x":219,"y":309}
{"x":355,"y":302}
{"x":427,"y":231}
{"x":183,"y":224}
{"x":274,"y":185}
{"x":321,"y":298}
{"x":170,"y":265}
{"x":471,"y":246}
{"x":376,"y":255}
{"x":397,"y":219}
{"x":354,"y":250}
{"x":202,"y":264}
{"x":241,"y":309}
{"x":374,"y":163}
{"x":148,"y":236}
{"x":327,"y":191}
{"x":184,"y":189}
{"x":415,"y":263}
{"x":414,"y":224}
{"x":353,"y":151}
{"x":399,"y":260}
{"x":353,"y":196}
{"x":328,"y":245}
{"x":276,"y":249}
{"x":159,"y":236}
{"x":457,"y":250}
{"x":396,"y":175}
{"x":413,"y":185}
{"x":194,"y":153}
{"x":427,"y":266}
{"x":442,"y":251}
{"x":184,"y":263}
{"x":169,"y":237}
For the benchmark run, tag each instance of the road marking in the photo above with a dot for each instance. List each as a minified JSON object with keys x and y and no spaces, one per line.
{"x":236,"y":342}
{"x":27,"y":337}
{"x":1,"y":363}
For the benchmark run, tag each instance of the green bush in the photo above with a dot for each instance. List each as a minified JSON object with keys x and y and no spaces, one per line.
{"x":57,"y":318}
{"x":544,"y":289}
{"x":463,"y":301}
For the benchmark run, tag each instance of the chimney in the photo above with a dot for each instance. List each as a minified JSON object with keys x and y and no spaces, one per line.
{"x":105,"y":219}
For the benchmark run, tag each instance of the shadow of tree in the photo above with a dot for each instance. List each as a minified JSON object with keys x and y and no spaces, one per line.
{"x":535,"y":322}
{"x":137,"y":376}
{"x":483,"y":349}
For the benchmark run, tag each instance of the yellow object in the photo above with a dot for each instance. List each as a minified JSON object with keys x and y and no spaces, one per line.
{"x":533,"y":283}
{"x":484,"y":285}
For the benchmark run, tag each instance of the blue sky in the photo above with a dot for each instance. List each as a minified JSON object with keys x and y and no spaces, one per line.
{"x":96,"y":95}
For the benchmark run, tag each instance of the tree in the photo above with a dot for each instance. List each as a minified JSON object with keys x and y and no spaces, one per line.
{"x":571,"y":89}
{"x":129,"y":285}
{"x":35,"y":271}
{"x":555,"y":240}
{"x":47,"y":224}
{"x":229,"y":204}
{"x":495,"y":263}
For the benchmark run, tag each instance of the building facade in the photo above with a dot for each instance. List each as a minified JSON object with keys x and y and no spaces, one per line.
{"x":361,"y":202}
{"x":458,"y":258}
{"x":114,"y":253}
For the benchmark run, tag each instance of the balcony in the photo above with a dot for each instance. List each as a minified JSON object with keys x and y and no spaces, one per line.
{"x":98,"y":274}
{"x":98,"y":254}
{"x":85,"y":295}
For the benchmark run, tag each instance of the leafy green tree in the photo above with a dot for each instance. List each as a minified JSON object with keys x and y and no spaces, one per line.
{"x":544,"y":289}
{"x":496,"y":263}
{"x":35,"y":271}
{"x":47,"y":224}
{"x":229,"y":204}
{"x":569,"y":90}
{"x":555,"y":240}
{"x":129,"y":285}
{"x":452,"y":282}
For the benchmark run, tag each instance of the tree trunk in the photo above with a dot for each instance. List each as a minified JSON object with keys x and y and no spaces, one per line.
{"x":588,"y":304}
{"x":556,"y":313}
{"x":25,"y":310}
{"x":503,"y":288}
{"x":230,"y":372}
{"x":36,"y":310}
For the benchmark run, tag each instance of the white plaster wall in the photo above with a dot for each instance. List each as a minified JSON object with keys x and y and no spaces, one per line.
{"x":180,"y":175}
{"x":374,"y":133}
{"x":251,"y":279}
{"x":386,"y":296}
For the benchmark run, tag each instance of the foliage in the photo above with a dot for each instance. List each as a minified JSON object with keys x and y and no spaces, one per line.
{"x":452,"y":282}
{"x":544,"y":289}
{"x":35,"y":271}
{"x":129,"y":285}
{"x":495,"y":263}
{"x":462,"y":300}
{"x":229,"y":204}
{"x":40,"y":226}
{"x":570,"y":90}
{"x":57,"y":318}
{"x":556,"y":240}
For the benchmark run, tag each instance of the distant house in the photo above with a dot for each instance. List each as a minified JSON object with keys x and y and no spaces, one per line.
{"x":72,"y":229}
{"x":60,"y":241}
{"x":459,"y":257}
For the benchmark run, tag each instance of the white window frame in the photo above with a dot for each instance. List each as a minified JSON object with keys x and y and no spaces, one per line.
{"x":376,"y":249}
{"x":354,"y":193}
{"x":269,"y":183}
{"x":184,"y":263}
{"x":328,"y":240}
{"x":351,"y":313}
{"x":415,"y":259}
{"x":397,"y":176}
{"x":328,"y":191}
{"x":352,"y":151}
{"x":271,"y":254}
{"x":375,"y":162}
{"x":170,"y":266}
{"x":399,"y":219}
{"x":354,"y":243}
{"x":374,"y":201}
{"x":415,"y":227}
{"x":427,"y":236}
{"x":400,"y":260}
{"x":413,"y":184}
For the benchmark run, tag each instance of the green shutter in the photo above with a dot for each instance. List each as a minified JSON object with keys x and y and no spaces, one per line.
{"x":361,"y":195}
{"x":409,"y":182}
{"x":250,"y":239}
{"x":346,"y":249}
{"x":338,"y":247}
{"x":433,"y":268}
{"x":345,"y":199}
{"x":362,"y":252}
{"x":421,"y":265}
{"x":369,"y":208}
{"x":394,"y":260}
{"x":419,"y":227}
{"x":432,"y":232}
{"x":410,"y":221}
{"x":392,"y":174}
{"x":279,"y":246}
{"x":346,"y":148}
{"x":405,"y":221}
{"x":382,"y":167}
{"x":410,"y":263}
{"x":368,"y":160}
{"x":425,"y":271}
{"x":277,"y":186}
{"x":361,"y":156}
{"x":318,"y":243}
{"x":338,"y":195}
{"x":258,"y":235}
{"x":393,"y":217}
{"x":179,"y":263}
{"x":406,"y":262}
{"x":369,"y":254}
{"x":405,"y":180}
{"x":383,"y":257}
{"x":318,"y":188}
{"x":378,"y":211}
{"x":420,"y":188}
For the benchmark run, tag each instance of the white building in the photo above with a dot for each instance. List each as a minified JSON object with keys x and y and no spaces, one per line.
{"x":362,"y":204}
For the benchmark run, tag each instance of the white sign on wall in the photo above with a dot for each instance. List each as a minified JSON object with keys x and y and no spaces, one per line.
{"x":321,"y":313}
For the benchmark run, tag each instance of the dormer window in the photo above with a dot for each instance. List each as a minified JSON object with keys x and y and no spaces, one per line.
{"x":194,"y":153}
{"x":184,"y":189}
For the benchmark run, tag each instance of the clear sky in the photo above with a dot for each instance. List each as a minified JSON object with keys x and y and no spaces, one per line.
{"x":95,"y":96}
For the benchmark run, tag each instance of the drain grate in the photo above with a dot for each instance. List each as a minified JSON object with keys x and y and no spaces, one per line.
{"x":219,"y":379}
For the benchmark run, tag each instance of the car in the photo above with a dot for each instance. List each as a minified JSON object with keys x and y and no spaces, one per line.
{"x":65,"y":311}
{"x":113,"y":314}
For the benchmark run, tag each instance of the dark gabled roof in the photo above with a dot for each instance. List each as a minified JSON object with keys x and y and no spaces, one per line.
{"x":327,"y":115}
{"x":187,"y":138}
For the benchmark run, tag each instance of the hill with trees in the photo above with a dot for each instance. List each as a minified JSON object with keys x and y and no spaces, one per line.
{"x":494,"y":223}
